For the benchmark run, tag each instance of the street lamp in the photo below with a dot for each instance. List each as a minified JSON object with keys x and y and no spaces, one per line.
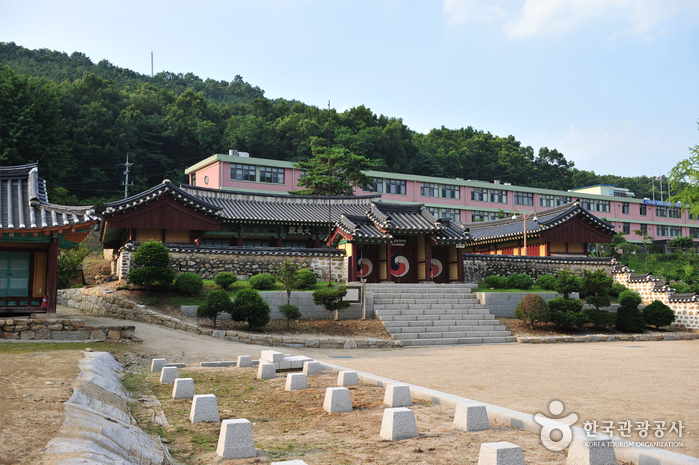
{"x":524,"y":216}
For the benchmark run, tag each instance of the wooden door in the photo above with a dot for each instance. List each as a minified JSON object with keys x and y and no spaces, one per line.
{"x":440,"y":265}
{"x":403,"y":265}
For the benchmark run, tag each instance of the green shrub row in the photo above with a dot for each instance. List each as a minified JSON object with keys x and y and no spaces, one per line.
{"x":248,"y":306}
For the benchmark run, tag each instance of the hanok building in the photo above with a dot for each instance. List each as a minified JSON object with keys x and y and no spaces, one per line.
{"x":563,"y":230}
{"x":31,"y":231}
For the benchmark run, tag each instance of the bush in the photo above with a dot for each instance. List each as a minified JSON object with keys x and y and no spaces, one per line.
{"x":580,"y":287}
{"x":519,"y":281}
{"x":262,"y":281}
{"x":546,"y":282}
{"x":307,"y":278}
{"x":290,"y":312}
{"x":70,"y":263}
{"x":496,"y":282}
{"x":565,"y":284}
{"x":331,"y":300}
{"x":597,"y":285}
{"x":601,"y":318}
{"x":561,"y":305}
{"x":152,"y":265}
{"x":567,"y":312}
{"x":658,"y":314}
{"x":532,"y":309}
{"x":629,"y":318}
{"x":249,"y":306}
{"x":616,"y":290}
{"x":225,"y":279}
{"x":189,"y":283}
{"x":217,"y":301}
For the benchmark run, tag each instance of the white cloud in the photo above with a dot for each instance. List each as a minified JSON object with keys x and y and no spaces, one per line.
{"x":460,"y":12}
{"x":557,"y":17}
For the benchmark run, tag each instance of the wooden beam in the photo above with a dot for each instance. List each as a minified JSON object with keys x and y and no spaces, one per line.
{"x":52,"y":278}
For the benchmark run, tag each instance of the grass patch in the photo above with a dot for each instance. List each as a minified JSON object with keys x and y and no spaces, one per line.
{"x":483,"y":288}
{"x":24,"y":347}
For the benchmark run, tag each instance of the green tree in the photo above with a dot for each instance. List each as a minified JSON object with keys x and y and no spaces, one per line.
{"x":217,"y":301}
{"x":598,"y":285}
{"x":332,"y":300}
{"x":647,"y":241}
{"x":684,"y":179}
{"x":287,"y":274}
{"x":346,"y":172}
{"x":151,"y":265}
{"x":70,"y":262}
{"x":249,"y":306}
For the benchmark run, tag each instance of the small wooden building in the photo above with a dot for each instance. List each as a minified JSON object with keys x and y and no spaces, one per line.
{"x":563,"y":230}
{"x":31,"y":231}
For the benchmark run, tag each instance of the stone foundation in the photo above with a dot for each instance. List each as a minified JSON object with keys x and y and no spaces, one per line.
{"x":478,"y":267}
{"x":43,"y":328}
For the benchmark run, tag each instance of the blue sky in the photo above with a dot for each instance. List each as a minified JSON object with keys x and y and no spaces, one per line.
{"x":610,"y":83}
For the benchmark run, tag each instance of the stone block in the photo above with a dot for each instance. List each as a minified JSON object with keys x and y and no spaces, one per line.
{"x":397,"y":395}
{"x":204,"y":409}
{"x":296,"y":382}
{"x":217,"y":364}
{"x":311,"y":368}
{"x":244,"y":361}
{"x":266,"y":371}
{"x":398,"y":424}
{"x":235,"y":440}
{"x":347,"y":378}
{"x":157,"y":365}
{"x":337,"y":400}
{"x":176,"y":365}
{"x":168,"y":375}
{"x":598,"y":452}
{"x":183,"y":388}
{"x":471,"y":417}
{"x":271,"y":356}
{"x":290,"y":462}
{"x":69,"y":335}
{"x":500,"y":453}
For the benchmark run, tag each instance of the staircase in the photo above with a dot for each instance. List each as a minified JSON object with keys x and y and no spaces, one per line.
{"x":436,"y":314}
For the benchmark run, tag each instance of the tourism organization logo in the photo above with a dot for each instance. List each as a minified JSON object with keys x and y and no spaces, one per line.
{"x":561,"y":424}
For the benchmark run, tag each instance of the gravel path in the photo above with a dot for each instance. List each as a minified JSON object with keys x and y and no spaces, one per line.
{"x":610,"y":381}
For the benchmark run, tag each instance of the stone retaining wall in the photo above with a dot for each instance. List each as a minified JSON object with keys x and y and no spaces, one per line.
{"x":42,"y":328}
{"x":100,"y":302}
{"x":477,"y":267}
{"x":504,"y":304}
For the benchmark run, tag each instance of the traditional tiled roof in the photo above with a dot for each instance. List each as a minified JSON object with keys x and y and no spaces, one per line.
{"x":684,"y":297}
{"x":24,"y":204}
{"x":163,"y":189}
{"x":246,"y":207}
{"x":361,"y":227}
{"x":508,"y":228}
{"x":186,"y":248}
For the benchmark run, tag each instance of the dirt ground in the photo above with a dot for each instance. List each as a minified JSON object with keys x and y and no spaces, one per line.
{"x":33,"y":387}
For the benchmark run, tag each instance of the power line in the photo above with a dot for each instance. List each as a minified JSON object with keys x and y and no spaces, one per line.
{"x":127,"y":166}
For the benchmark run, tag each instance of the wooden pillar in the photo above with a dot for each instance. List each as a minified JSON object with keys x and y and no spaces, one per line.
{"x":352,"y":255}
{"x":240,"y":238}
{"x":52,"y":281}
{"x":428,"y":259}
{"x":460,"y":269}
{"x":423,"y":273}
{"x":387,"y":267}
{"x":317,"y":244}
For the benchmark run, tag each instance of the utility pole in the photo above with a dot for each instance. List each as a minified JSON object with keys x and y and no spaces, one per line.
{"x":330,"y":211}
{"x":151,"y":63}
{"x":127,"y":166}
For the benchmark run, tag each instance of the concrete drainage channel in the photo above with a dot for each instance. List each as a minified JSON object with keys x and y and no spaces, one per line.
{"x":98,"y":426}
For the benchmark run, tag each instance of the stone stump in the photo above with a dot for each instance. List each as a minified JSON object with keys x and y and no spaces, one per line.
{"x":183,"y":388}
{"x":157,"y":364}
{"x":471,"y":417}
{"x":337,"y":400}
{"x":311,"y":368}
{"x":204,"y":409}
{"x":598,"y":452}
{"x":347,"y":378}
{"x":398,"y":424}
{"x":235,"y":440}
{"x":296,"y":382}
{"x":168,"y":375}
{"x":244,"y":361}
{"x":266,"y":371}
{"x":500,"y":453}
{"x":397,"y":395}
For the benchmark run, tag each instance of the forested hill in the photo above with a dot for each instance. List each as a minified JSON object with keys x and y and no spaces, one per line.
{"x":80,"y":120}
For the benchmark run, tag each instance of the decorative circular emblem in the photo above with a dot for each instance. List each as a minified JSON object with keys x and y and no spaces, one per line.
{"x":364,"y":267}
{"x":399,"y":265}
{"x":437,"y":267}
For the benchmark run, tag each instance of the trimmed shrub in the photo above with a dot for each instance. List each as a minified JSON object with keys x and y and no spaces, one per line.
{"x":561,"y":305}
{"x":262,"y":281}
{"x":331,"y":300}
{"x":532,"y":309}
{"x":189,"y":283}
{"x":597,"y":285}
{"x":658,"y":314}
{"x":225,"y":279}
{"x":580,"y":287}
{"x":519,"y":281}
{"x":290,"y":312}
{"x":567,"y":312}
{"x":601,"y":318}
{"x":217,"y":301}
{"x":152,"y":265}
{"x":307,"y":278}
{"x":496,"y":282}
{"x":616,"y":290}
{"x":546,"y":282}
{"x":629,"y":318}
{"x":565,"y":284}
{"x":249,"y":306}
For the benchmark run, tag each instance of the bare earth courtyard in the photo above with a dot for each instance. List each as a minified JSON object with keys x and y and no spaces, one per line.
{"x":614,"y":381}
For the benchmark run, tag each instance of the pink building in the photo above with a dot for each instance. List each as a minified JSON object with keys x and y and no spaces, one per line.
{"x":465,"y":201}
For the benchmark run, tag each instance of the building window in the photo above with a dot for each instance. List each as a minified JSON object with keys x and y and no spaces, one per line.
{"x":642,"y":210}
{"x":434,"y":211}
{"x":618,"y":194}
{"x":484,"y":216}
{"x":450,"y":192}
{"x":303,"y":174}
{"x":661,"y":212}
{"x":394,"y":186}
{"x":547,"y":200}
{"x":255,"y":243}
{"x":271,"y":175}
{"x":586,"y":204}
{"x":498,"y":196}
{"x":294,"y":244}
{"x":602,"y":206}
{"x":215,"y":242}
{"x":644,"y":228}
{"x":694,"y":232}
{"x":452,"y":214}
{"x":479,"y":194}
{"x":524,"y":198}
{"x":562,"y":200}
{"x":194,"y":179}
{"x":627,"y":228}
{"x":625,"y":208}
{"x":669,"y":231}
{"x":427,"y":189}
{"x":377,"y":186}
{"x":243,"y":172}
{"x":674,"y":213}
